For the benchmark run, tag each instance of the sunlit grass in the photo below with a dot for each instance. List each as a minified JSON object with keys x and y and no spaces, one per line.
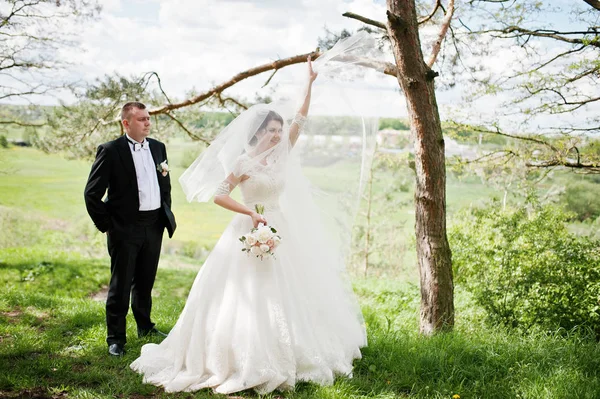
{"x":52,"y":330}
{"x":52,"y":334}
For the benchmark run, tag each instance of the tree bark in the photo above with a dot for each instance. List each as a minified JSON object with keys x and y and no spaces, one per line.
{"x":433,"y":251}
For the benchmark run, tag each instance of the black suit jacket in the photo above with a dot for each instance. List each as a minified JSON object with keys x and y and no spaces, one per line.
{"x":114,"y":170}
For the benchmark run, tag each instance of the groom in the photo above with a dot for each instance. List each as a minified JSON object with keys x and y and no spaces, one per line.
{"x":137,"y":208}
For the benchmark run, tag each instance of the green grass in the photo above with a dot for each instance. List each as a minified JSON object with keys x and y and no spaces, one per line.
{"x":52,"y":342}
{"x":52,"y":186}
{"x":52,"y":330}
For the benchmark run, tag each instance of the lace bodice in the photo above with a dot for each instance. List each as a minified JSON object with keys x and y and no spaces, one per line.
{"x":264,"y":186}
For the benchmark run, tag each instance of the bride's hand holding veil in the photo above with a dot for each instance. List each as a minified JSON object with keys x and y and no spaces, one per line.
{"x":303,"y":111}
{"x":263,"y":144}
{"x":312,"y":75}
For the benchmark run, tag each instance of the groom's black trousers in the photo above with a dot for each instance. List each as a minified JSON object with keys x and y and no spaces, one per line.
{"x":133,"y":264}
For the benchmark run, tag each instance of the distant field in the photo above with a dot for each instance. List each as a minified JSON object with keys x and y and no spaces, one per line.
{"x":51,"y":187}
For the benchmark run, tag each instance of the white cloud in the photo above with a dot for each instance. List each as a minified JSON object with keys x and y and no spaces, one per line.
{"x":199,"y":43}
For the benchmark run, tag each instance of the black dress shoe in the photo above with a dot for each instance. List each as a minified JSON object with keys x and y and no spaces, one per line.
{"x":151,"y":332}
{"x":116,"y":350}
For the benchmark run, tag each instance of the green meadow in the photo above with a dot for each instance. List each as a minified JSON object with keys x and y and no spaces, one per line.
{"x":54,"y":269}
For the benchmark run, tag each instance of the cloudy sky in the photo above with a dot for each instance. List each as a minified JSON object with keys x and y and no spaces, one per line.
{"x":195,"y":44}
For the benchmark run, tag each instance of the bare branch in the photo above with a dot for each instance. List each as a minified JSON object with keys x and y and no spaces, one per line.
{"x":513,"y":136}
{"x":365,"y":20}
{"x":569,"y":163}
{"x":222,"y":101}
{"x":148,"y":75}
{"x":386,"y":67}
{"x":593,"y":3}
{"x":438,"y":4}
{"x":576,"y":104}
{"x":546,"y":63}
{"x":558,"y":157}
{"x":270,"y":77}
{"x":24,"y":124}
{"x":182,"y":126}
{"x":503,"y":153}
{"x":584,"y":74}
{"x":557,"y":35}
{"x":443,"y":30}
{"x":297,"y":59}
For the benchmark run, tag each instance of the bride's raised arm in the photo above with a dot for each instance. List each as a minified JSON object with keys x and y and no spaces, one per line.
{"x":300,"y":117}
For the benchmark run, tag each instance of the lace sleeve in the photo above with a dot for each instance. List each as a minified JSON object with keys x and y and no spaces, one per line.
{"x":299,"y":120}
{"x":223,"y":189}
{"x":241,"y":166}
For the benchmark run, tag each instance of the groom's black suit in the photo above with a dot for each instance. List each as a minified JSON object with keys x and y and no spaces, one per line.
{"x":134,"y":237}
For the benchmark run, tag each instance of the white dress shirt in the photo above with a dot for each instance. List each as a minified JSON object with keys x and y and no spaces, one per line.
{"x":145,"y":171}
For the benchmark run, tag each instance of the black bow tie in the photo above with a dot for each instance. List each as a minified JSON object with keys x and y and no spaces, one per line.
{"x":139,"y":146}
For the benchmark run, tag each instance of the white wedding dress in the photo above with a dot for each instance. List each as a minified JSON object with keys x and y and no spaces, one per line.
{"x":262,"y":324}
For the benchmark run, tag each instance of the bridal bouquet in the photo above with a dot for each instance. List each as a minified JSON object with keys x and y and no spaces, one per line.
{"x":262,"y":240}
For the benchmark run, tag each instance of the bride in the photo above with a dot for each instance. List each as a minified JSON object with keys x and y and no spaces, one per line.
{"x":251,"y":322}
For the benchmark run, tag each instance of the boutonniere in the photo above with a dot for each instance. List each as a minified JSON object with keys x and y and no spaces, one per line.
{"x":163,"y":168}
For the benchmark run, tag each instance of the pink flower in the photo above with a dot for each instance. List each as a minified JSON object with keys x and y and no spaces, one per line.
{"x":270,"y":243}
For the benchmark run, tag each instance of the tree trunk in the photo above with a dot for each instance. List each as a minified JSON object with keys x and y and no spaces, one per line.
{"x":433,"y":252}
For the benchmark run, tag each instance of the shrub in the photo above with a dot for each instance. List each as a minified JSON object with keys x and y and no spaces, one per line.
{"x":190,"y":154}
{"x":3,"y":141}
{"x":581,"y":197}
{"x":392,"y":123}
{"x":525,"y":269}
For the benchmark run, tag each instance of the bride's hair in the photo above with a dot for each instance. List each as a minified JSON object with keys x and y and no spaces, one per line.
{"x":271,"y":116}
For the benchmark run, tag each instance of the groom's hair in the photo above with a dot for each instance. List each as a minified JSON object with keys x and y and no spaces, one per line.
{"x":125,"y":111}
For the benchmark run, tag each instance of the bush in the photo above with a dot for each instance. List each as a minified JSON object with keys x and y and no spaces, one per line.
{"x":581,"y":197}
{"x":525,"y":269}
{"x":3,"y":141}
{"x":190,"y":154}
{"x":392,"y":123}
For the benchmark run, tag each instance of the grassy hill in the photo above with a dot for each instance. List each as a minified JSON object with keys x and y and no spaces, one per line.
{"x":54,"y":270}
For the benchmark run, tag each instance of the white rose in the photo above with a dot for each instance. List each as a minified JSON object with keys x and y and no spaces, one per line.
{"x":256,"y":251}
{"x":250,"y":239}
{"x":264,"y":234}
{"x":264,"y":248}
{"x":276,"y":241}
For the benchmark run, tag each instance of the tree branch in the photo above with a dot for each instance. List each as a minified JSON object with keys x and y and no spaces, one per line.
{"x":297,"y":59}
{"x":438,"y":4}
{"x":569,"y":163}
{"x":386,"y":68}
{"x":503,"y":153}
{"x":558,"y":159}
{"x":546,"y":63}
{"x":365,"y":20}
{"x":557,"y":35}
{"x":24,"y":124}
{"x":181,"y":125}
{"x":513,"y":136}
{"x":593,"y":3}
{"x":222,"y":101}
{"x":269,"y":80}
{"x":443,"y":30}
